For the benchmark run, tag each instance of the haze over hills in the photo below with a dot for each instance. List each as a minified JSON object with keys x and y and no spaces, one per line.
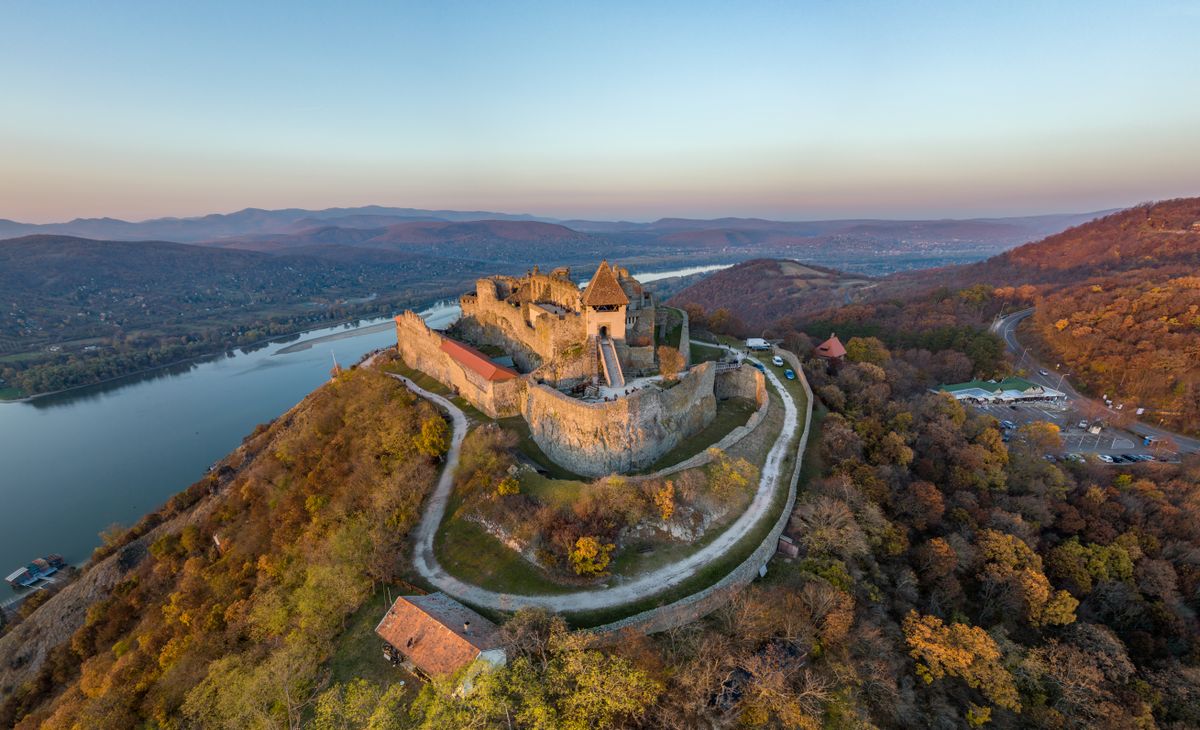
{"x":1117,"y":301}
{"x":275,"y":230}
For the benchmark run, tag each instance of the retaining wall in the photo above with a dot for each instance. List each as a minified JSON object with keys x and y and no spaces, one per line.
{"x":421,"y":349}
{"x":702,"y":603}
{"x":596,"y":439}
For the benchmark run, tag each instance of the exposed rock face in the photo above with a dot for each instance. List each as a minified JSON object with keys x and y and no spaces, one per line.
{"x":595,"y":439}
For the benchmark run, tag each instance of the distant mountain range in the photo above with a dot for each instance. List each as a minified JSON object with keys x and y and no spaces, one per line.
{"x":509,"y":238}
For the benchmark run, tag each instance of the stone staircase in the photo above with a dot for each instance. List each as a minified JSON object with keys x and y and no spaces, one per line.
{"x":612,"y":365}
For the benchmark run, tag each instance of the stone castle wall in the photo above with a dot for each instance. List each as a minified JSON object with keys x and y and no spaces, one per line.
{"x":704,"y":602}
{"x":632,"y":432}
{"x":532,"y":333}
{"x":744,"y":382}
{"x":420,"y":348}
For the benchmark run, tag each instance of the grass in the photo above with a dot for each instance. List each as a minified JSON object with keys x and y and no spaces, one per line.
{"x":700,"y":353}
{"x":472,"y":554}
{"x":731,"y":413}
{"x":556,"y":492}
{"x":433,"y":385}
{"x":674,"y":331}
{"x":11,"y":393}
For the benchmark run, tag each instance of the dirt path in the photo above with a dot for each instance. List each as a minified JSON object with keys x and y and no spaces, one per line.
{"x":637,"y":589}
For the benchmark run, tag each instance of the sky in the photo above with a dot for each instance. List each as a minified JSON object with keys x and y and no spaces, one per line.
{"x":605,"y":110}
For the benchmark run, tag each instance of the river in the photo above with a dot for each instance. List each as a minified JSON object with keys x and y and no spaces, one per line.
{"x":74,"y":463}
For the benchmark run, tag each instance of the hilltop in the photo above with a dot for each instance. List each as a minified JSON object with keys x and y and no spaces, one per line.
{"x":761,"y":291}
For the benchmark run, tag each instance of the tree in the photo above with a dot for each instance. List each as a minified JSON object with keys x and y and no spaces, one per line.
{"x":670,"y":362}
{"x":727,"y":477}
{"x":509,"y":485}
{"x":664,"y":500}
{"x":434,"y":439}
{"x":962,"y":651}
{"x":867,"y":349}
{"x":590,"y":556}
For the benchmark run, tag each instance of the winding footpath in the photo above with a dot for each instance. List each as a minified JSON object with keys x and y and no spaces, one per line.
{"x":637,"y":589}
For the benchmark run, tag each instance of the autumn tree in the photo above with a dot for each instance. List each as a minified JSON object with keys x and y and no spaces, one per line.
{"x":434,"y":438}
{"x":962,"y":651}
{"x":670,"y":362}
{"x":589,"y":556}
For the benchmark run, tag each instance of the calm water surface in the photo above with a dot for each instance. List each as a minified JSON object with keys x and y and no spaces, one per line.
{"x":75,"y":463}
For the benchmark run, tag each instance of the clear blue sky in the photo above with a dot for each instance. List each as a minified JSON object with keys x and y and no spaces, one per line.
{"x":604,"y":109}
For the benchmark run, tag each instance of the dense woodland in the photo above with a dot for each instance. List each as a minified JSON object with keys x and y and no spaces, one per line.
{"x":76,"y":311}
{"x":310,"y":515}
{"x":946,"y":578}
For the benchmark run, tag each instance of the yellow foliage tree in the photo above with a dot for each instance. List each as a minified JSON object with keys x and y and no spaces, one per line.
{"x":590,"y":556}
{"x":963,"y":651}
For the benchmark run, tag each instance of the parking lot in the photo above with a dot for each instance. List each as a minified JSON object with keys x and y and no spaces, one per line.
{"x":1110,"y":440}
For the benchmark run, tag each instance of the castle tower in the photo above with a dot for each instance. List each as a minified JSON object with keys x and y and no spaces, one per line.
{"x":604,"y":303}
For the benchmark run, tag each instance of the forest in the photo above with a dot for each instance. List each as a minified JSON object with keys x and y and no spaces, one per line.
{"x":78,"y":311}
{"x":231,"y":618}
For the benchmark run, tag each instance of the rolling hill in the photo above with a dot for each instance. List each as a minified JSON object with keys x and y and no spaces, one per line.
{"x":761,"y":291}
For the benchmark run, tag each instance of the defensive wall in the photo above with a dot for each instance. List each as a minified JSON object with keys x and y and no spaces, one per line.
{"x":421,"y":349}
{"x":629,"y":433}
{"x":704,"y":602}
{"x":532,"y":331}
{"x":744,"y":382}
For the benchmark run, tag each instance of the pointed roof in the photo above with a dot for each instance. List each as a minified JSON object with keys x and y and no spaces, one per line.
{"x":831,"y":348}
{"x":604,"y":290}
{"x":439,"y":634}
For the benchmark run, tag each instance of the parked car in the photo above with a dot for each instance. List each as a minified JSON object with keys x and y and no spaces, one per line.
{"x":1082,"y":424}
{"x":1078,"y":458}
{"x":777,"y":361}
{"x":1105,"y":458}
{"x":1007,"y":424}
{"x":1050,"y":458}
{"x":789,"y":374}
{"x":1043,"y":373}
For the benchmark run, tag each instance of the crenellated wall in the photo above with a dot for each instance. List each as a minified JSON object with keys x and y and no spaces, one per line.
{"x":632,"y":432}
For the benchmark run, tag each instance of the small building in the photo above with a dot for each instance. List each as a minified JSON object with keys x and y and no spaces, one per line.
{"x":831,"y":349}
{"x":476,"y":362}
{"x":1009,"y":390}
{"x":439,"y":635}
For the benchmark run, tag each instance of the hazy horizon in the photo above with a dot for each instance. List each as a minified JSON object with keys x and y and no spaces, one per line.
{"x":781,"y":111}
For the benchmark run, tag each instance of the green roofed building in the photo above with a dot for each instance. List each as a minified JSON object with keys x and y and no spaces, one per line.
{"x":1001,"y":391}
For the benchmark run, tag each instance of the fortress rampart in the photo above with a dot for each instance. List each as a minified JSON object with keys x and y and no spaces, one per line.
{"x":594,"y":439}
{"x":421,"y":348}
{"x":556,"y":334}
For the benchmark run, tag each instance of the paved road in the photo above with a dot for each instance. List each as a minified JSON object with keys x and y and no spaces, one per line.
{"x":1007,"y":328}
{"x":648,"y":584}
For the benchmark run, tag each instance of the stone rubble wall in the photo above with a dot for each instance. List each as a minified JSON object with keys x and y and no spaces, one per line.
{"x":596,"y":439}
{"x":748,"y":380}
{"x":421,"y":349}
{"x":700,"y":604}
{"x":488,"y":319}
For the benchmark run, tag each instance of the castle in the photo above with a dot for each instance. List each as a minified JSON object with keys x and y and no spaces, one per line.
{"x":584,"y":373}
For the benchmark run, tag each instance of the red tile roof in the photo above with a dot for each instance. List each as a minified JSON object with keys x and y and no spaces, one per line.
{"x":476,"y":361}
{"x":430,"y":631}
{"x":831,"y":348}
{"x":604,"y":290}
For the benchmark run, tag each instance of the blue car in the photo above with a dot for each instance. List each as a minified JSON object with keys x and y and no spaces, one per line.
{"x":789,"y":374}
{"x":757,"y":364}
